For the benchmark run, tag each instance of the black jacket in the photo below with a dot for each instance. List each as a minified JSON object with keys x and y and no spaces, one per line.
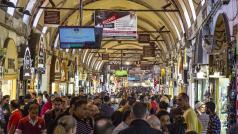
{"x":140,"y":127}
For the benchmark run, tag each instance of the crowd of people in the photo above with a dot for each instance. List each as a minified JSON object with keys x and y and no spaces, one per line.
{"x":96,"y":114}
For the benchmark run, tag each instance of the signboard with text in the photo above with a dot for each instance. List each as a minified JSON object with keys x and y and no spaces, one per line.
{"x":52,"y":18}
{"x":120,"y":25}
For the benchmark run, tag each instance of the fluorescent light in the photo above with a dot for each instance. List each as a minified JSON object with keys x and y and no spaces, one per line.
{"x":56,"y":41}
{"x":29,"y":7}
{"x":38,"y":15}
{"x":10,"y":10}
{"x":89,"y":59}
{"x":192,"y":8}
{"x":44,"y":29}
{"x":84,"y":56}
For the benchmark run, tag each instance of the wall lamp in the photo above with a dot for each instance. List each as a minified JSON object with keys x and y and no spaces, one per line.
{"x":5,"y":3}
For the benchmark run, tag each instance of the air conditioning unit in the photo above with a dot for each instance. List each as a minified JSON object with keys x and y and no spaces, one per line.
{"x":225,"y":1}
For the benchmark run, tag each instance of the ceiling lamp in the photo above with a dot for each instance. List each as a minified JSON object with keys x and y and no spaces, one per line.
{"x":26,"y":12}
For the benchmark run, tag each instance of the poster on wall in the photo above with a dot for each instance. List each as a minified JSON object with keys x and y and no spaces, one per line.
{"x":120,"y":25}
{"x":27,"y":65}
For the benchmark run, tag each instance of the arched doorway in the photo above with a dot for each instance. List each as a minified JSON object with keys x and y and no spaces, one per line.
{"x":219,"y":70}
{"x":10,"y":65}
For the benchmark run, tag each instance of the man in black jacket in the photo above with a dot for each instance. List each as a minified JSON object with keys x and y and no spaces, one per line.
{"x":139,"y":125}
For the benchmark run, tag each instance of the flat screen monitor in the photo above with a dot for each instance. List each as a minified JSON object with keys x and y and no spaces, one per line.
{"x":80,"y":37}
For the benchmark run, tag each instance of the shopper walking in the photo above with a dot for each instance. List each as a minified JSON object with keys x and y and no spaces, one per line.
{"x":80,"y":114}
{"x":139,"y":125}
{"x":214,"y":124}
{"x":52,"y":115}
{"x":200,"y":108}
{"x":65,"y":125}
{"x":31,"y":124}
{"x":14,"y":117}
{"x":191,"y":120}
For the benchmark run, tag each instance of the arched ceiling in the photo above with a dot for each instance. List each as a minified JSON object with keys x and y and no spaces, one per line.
{"x":174,"y":22}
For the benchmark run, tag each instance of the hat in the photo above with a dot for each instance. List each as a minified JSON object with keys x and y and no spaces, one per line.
{"x":165,"y":99}
{"x":198,"y":105}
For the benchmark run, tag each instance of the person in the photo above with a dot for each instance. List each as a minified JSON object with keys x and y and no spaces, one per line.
{"x":200,"y":108}
{"x":163,"y":104}
{"x":65,"y":125}
{"x":14,"y":118}
{"x":106,"y":109}
{"x":191,"y":132}
{"x":190,"y":117}
{"x":139,"y":125}
{"x":214,"y":124}
{"x":154,"y":122}
{"x":33,"y":97}
{"x":47,"y":106}
{"x":64,"y":103}
{"x":40,"y":101}
{"x":104,"y":126}
{"x":164,"y":120}
{"x":154,"y":105}
{"x":6,"y":110}
{"x":177,"y":125}
{"x":31,"y":123}
{"x":52,"y":115}
{"x":2,"y":118}
{"x":126,"y":120}
{"x":117,"y":115}
{"x":233,"y":129}
{"x":93,"y":110}
{"x":28,"y":102}
{"x":80,"y":114}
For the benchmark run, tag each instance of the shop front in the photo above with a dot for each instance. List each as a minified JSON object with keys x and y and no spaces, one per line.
{"x":41,"y":69}
{"x":220,"y":70}
{"x":28,"y":76}
{"x":71,"y":76}
{"x":63,"y":85}
{"x":10,"y":69}
{"x":55,"y":74}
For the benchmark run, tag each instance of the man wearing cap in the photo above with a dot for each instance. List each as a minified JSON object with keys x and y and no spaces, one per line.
{"x":200,"y":108}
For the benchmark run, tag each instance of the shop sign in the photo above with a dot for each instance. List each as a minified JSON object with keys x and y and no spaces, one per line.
{"x":149,"y":51}
{"x":105,"y":57}
{"x":27,"y":64}
{"x":122,"y":24}
{"x":144,"y":38}
{"x":52,"y":17}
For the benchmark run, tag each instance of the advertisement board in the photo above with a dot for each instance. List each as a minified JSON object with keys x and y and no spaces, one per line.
{"x":120,"y":25}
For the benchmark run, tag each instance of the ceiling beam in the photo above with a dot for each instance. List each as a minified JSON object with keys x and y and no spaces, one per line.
{"x":101,"y":9}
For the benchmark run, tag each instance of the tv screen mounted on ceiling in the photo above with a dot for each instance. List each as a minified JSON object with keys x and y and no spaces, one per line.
{"x":80,"y":37}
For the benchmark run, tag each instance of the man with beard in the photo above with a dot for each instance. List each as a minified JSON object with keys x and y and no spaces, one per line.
{"x":52,"y":115}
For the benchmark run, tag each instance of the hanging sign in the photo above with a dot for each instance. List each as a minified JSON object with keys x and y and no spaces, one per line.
{"x":105,"y":57}
{"x":115,"y":24}
{"x":144,"y":38}
{"x":149,"y":51}
{"x":52,"y":18}
{"x":27,"y":65}
{"x":41,"y":57}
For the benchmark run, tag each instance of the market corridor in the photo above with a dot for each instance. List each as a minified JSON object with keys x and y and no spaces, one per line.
{"x":118,"y":67}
